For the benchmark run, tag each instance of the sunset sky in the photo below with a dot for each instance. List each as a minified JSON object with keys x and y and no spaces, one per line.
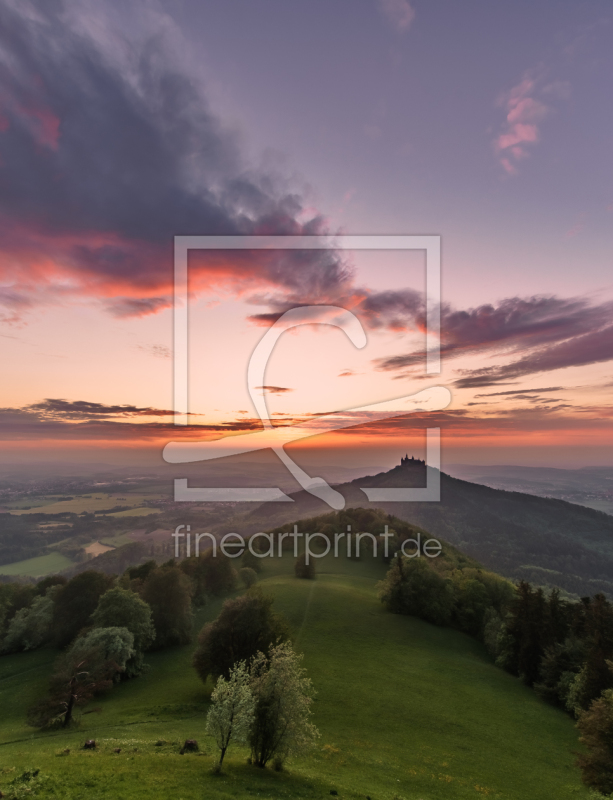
{"x":489,"y":124}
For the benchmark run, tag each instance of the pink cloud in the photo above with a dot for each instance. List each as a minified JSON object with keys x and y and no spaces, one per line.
{"x":577,"y":228}
{"x":524,"y":113}
{"x":511,"y":169}
{"x":400,"y":13}
{"x":45,"y":125}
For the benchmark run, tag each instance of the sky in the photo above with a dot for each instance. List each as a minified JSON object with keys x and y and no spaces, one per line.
{"x":489,"y":125}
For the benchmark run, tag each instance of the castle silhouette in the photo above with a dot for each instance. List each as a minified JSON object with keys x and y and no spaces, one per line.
{"x":406,"y":461}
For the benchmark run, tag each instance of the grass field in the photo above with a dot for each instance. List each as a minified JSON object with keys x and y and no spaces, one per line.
{"x":118,"y":540}
{"x":136,"y":512}
{"x":39,"y":566}
{"x":90,"y":503}
{"x":97,"y":548}
{"x":406,"y":710}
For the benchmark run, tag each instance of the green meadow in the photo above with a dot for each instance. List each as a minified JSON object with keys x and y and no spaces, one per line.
{"x":135,"y":512}
{"x":100,"y":501}
{"x":39,"y":566}
{"x":405,"y":710}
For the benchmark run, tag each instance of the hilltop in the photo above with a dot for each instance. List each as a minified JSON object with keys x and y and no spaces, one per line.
{"x":546,"y":541}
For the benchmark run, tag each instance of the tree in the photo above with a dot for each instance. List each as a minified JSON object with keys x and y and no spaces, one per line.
{"x":142,"y":571}
{"x":411,"y":586}
{"x":135,"y":577}
{"x":103,"y":646}
{"x":560,"y":665}
{"x":47,"y":583}
{"x":13,"y":597}
{"x":219,"y":574}
{"x":304,"y":570}
{"x":210,"y":574}
{"x":596,"y":728}
{"x":472,"y":601}
{"x":251,"y":561}
{"x":528,"y":632}
{"x":168,"y":592}
{"x":596,"y":675}
{"x":283,"y":695}
{"x":122,"y":608}
{"x":245,"y":626}
{"x":73,"y":684}
{"x":75,"y":603}
{"x":248,"y":576}
{"x":192,"y":567}
{"x":31,"y":627}
{"x":231,"y":714}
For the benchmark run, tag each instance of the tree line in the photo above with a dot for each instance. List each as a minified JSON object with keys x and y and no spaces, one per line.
{"x":103,"y":625}
{"x":561,"y":648}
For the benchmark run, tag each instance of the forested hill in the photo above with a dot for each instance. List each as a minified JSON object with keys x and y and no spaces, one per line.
{"x":547,"y":542}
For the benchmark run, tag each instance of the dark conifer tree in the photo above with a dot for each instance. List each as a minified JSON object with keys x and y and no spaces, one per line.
{"x":599,"y":639}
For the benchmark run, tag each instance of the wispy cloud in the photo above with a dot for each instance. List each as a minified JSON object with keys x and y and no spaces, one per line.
{"x":157,"y":350}
{"x":577,"y":228}
{"x":514,"y":326}
{"x":522,"y":392}
{"x":275,"y":389}
{"x":82,"y":409}
{"x":399,"y":12}
{"x":590,"y":348}
{"x":394,"y":309}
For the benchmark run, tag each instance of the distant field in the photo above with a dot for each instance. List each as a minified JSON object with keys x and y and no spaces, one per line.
{"x":117,"y":541}
{"x":406,"y":711}
{"x":35,"y":567}
{"x":46,"y":525}
{"x":96,"y":548}
{"x":135,"y":512}
{"x":95,"y":502}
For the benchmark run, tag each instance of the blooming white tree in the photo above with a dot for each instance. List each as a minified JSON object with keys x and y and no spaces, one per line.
{"x":284,"y":695}
{"x":231,"y":715}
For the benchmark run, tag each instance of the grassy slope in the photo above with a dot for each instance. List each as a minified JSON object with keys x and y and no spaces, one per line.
{"x":521,"y":536}
{"x":404,"y":709}
{"x":35,"y":567}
